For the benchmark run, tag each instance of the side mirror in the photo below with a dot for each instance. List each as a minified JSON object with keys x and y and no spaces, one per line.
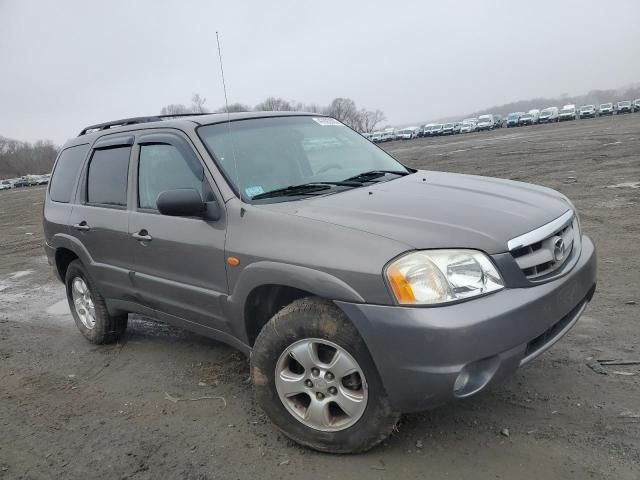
{"x":183,"y":202}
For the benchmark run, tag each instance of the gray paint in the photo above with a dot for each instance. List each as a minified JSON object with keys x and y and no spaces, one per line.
{"x":438,"y":210}
{"x":336,"y":247}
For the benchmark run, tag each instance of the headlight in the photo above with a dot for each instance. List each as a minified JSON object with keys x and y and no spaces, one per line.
{"x":440,"y":276}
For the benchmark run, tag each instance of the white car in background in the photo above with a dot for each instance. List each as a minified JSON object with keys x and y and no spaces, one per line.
{"x":426,"y":130}
{"x":388,"y":135}
{"x":485,"y":122}
{"x":468,"y":127}
{"x":548,"y":115}
{"x":406,"y":134}
{"x":531,"y":117}
{"x":588,"y":111}
{"x":6,"y":184}
{"x":568,"y":112}
{"x":436,"y":129}
{"x":605,"y":109}
{"x":376,"y":137}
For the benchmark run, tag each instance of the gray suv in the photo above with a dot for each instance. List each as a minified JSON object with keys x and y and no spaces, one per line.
{"x":359,"y":288}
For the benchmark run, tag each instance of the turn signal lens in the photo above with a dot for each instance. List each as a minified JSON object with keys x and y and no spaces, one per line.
{"x":401,"y":288}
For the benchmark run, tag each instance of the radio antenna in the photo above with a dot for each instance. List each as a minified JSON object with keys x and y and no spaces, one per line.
{"x":226,"y":105}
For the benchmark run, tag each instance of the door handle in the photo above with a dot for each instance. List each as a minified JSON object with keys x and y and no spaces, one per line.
{"x":142,"y":236}
{"x":82,"y":226}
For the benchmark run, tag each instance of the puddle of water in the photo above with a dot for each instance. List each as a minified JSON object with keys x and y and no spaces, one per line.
{"x":59,"y":308}
{"x":20,"y":274}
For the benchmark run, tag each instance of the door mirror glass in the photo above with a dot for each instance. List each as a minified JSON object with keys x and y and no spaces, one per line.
{"x":182,"y":202}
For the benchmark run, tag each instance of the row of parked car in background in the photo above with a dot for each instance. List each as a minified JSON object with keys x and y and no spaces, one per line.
{"x":25,"y":181}
{"x":514,"y":119}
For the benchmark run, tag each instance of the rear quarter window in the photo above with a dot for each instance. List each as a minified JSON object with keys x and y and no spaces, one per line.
{"x":66,"y":171}
{"x":107,"y":176}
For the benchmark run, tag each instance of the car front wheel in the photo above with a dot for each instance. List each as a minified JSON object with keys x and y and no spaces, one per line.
{"x":315,"y":379}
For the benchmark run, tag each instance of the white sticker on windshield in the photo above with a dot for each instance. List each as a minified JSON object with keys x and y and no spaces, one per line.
{"x":253,"y":191}
{"x":327,"y":122}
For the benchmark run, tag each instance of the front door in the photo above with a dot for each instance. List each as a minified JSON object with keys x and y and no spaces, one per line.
{"x":178,"y":262}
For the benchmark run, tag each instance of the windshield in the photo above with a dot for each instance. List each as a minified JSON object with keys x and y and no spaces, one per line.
{"x":624,"y":104}
{"x":264,"y":154}
{"x":513,"y":116}
{"x":484,"y":118}
{"x":448,"y":125}
{"x":567,"y":109}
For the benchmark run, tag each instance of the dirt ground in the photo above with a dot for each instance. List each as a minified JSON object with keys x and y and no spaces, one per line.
{"x":69,"y":409}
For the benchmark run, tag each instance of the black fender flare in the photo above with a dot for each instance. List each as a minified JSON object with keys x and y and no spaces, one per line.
{"x":263,"y":273}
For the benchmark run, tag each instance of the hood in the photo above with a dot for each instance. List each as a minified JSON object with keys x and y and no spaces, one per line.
{"x":437,"y":210}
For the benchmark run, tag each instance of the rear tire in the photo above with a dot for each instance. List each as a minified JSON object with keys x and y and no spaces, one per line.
{"x":315,"y":321}
{"x":89,"y":309}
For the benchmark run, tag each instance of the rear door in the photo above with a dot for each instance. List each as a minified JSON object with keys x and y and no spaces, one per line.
{"x":178,"y":261}
{"x":100,"y":219}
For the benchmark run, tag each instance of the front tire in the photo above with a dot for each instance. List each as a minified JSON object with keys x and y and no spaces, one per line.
{"x":89,"y":309}
{"x":315,"y":379}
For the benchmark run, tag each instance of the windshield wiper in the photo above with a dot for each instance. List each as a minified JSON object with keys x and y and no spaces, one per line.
{"x":373,"y":174}
{"x":305,"y":189}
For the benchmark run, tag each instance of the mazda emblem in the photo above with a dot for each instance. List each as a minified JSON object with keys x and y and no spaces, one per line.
{"x":558,"y":249}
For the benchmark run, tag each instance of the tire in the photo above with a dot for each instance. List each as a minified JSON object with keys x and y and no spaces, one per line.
{"x":317,"y":320}
{"x":105,"y":328}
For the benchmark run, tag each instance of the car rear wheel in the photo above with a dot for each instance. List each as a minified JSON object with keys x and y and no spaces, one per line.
{"x":89,"y":309}
{"x":315,"y":379}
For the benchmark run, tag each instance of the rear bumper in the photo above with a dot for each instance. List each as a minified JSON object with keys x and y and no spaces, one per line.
{"x":421,"y":352}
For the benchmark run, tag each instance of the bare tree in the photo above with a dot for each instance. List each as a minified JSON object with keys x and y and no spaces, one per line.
{"x":235,"y":107}
{"x":174,"y":109}
{"x":371,"y":118}
{"x":197,"y":104}
{"x":23,"y":158}
{"x":345,"y":110}
{"x":274,"y":104}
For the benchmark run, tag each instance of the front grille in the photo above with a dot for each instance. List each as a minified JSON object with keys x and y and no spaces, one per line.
{"x":542,"y":251}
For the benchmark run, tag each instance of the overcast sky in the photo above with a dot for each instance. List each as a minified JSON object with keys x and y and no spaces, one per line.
{"x":65,"y":64}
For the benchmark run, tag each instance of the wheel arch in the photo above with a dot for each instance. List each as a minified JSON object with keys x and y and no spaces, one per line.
{"x":66,"y":250}
{"x":264,"y":288}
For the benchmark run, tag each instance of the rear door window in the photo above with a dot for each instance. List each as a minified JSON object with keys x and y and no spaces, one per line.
{"x":64,"y":176}
{"x":107,"y":177}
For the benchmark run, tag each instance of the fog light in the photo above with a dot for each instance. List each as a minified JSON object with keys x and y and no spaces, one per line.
{"x":462,"y":381}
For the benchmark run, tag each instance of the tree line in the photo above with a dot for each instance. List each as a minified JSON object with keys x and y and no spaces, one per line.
{"x":343,"y":109}
{"x":23,"y":158}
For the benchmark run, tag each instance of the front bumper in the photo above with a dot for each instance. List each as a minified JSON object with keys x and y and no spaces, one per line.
{"x":420,"y":352}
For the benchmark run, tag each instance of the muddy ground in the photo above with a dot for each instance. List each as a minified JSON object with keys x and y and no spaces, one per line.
{"x":69,"y":409}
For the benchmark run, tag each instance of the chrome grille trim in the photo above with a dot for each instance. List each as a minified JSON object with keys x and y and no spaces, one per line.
{"x":541,"y":233}
{"x":534,"y":251}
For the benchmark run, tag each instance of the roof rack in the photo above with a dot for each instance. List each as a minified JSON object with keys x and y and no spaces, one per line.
{"x":133,"y":121}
